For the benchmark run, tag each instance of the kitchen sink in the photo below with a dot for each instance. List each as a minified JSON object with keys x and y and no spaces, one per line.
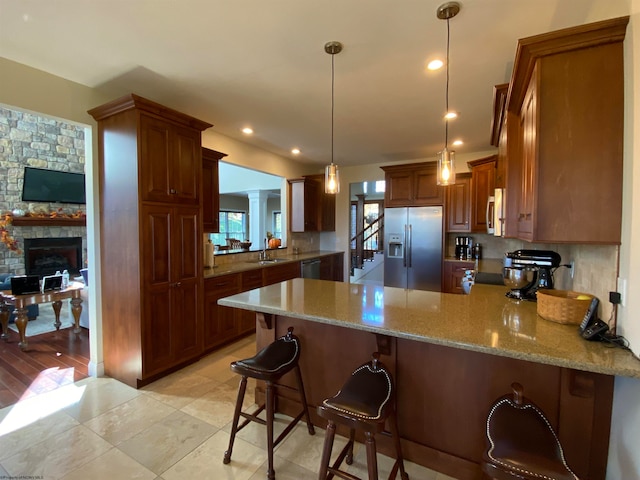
{"x":270,"y":261}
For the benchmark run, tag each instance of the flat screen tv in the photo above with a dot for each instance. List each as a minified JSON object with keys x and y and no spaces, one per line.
{"x":42,"y":185}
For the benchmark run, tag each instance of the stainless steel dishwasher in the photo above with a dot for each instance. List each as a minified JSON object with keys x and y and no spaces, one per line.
{"x":311,"y":268}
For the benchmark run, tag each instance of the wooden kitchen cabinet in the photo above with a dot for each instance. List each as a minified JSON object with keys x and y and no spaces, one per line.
{"x":311,"y":210}
{"x":210,"y":190}
{"x":412,"y":185}
{"x":221,"y":324}
{"x":151,"y":238}
{"x":171,"y":271}
{"x":281,"y":272}
{"x":483,"y":175}
{"x":453,"y":273}
{"x":458,"y":204}
{"x":499,"y":131}
{"x":250,"y":279}
{"x":567,"y":93}
{"x":332,"y":267}
{"x":170,"y":161}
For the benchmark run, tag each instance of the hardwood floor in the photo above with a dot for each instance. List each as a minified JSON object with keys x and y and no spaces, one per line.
{"x":51,"y":360}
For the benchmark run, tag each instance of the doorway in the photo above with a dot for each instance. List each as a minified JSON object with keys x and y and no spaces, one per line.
{"x":366,"y":220}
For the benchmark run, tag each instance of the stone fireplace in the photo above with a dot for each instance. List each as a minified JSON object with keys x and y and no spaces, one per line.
{"x":45,"y":256}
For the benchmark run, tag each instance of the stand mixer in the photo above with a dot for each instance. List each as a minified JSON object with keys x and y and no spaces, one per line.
{"x":525,"y":271}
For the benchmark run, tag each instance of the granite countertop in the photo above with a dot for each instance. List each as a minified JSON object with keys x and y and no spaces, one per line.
{"x":484,"y":321}
{"x":277,"y":259}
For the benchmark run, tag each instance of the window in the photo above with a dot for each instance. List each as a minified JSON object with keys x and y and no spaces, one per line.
{"x":276,"y":227}
{"x":232,"y":225}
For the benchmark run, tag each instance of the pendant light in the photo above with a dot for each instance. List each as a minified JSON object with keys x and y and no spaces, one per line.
{"x":446,"y":158}
{"x":331,"y":174}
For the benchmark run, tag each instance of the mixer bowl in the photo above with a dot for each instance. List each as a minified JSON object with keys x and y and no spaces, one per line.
{"x":517,"y":277}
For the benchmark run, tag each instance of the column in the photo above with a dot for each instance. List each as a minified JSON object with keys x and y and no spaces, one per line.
{"x":258,"y":224}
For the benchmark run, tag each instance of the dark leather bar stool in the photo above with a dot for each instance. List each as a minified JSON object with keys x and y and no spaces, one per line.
{"x":270,"y":364}
{"x":521,"y":442}
{"x":364,"y":403}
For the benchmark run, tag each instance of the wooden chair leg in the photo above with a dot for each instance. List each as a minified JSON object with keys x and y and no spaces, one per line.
{"x":393,"y":424}
{"x":271,"y":474}
{"x":372,"y":461}
{"x":326,"y":451}
{"x":352,"y":441}
{"x":236,"y":417}
{"x":303,"y":399}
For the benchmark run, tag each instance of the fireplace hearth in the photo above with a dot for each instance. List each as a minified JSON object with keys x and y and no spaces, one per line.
{"x":45,"y":256}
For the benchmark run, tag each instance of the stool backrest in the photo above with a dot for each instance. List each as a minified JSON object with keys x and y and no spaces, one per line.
{"x":516,"y":428}
{"x":371,"y":382}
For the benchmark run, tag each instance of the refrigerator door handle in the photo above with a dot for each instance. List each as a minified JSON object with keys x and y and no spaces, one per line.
{"x":410,"y":245}
{"x":404,"y":246}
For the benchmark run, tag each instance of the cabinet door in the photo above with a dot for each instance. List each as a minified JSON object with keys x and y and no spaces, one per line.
{"x":528,"y":118}
{"x":170,"y":161}
{"x":280,"y":273}
{"x":482,"y":187}
{"x":399,"y":188}
{"x":305,"y":205}
{"x":250,"y":279}
{"x":426,"y":190}
{"x":186,"y":165}
{"x":157,"y":301}
{"x":155,"y":162}
{"x":338,"y":267}
{"x":185,"y":285}
{"x":220,"y":323}
{"x":459,"y":204}
{"x":210,"y":195}
{"x":453,"y":274}
{"x":171,"y":305}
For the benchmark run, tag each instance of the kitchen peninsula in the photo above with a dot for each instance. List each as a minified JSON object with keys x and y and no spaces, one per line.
{"x":451,"y":356}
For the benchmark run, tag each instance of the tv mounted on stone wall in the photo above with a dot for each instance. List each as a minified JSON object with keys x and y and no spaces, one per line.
{"x":51,"y":186}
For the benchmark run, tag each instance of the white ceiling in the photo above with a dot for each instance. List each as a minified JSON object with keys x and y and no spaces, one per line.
{"x":262,"y":63}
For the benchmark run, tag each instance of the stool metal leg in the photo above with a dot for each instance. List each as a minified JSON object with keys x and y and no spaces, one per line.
{"x":372,"y":461}
{"x":303,"y":399}
{"x":271,"y":474}
{"x":236,"y":418}
{"x":326,"y":451}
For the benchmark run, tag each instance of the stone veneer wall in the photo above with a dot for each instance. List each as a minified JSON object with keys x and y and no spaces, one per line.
{"x":31,"y":140}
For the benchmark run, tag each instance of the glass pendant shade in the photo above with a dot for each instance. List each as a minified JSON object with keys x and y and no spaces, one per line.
{"x":446,"y":167}
{"x":331,"y":179}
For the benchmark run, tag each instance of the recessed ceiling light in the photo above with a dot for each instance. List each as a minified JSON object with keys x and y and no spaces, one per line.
{"x":295,"y":151}
{"x":435,"y":64}
{"x":457,"y":143}
{"x":247,"y":130}
{"x":450,"y":115}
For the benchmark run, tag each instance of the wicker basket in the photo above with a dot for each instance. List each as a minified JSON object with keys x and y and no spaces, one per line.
{"x":563,"y":306}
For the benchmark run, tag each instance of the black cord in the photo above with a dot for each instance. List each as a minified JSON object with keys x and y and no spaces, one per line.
{"x":613,"y":341}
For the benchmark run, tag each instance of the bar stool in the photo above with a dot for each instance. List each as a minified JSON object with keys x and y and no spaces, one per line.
{"x":364,"y":403}
{"x":270,"y":364}
{"x":521,"y":442}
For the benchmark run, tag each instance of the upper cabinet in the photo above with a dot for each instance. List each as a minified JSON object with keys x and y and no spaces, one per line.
{"x":412,"y":185}
{"x":564,"y":124}
{"x":311,"y":210}
{"x":458,"y":204}
{"x":499,"y":131}
{"x":210,"y":190}
{"x":169,"y":161}
{"x":483,"y":176}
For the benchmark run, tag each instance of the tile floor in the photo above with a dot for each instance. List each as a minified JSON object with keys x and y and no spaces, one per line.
{"x":176,"y":428}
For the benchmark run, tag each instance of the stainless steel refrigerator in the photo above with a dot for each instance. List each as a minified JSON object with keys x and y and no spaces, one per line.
{"x":413,"y":248}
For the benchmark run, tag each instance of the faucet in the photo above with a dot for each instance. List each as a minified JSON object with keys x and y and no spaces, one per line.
{"x":263,"y":254}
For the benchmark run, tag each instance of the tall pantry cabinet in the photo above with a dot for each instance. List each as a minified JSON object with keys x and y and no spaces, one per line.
{"x":151,"y":238}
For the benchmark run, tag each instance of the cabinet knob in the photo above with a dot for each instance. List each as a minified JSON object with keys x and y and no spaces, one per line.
{"x":172,"y":191}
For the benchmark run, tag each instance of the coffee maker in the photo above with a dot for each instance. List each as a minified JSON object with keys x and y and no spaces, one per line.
{"x":463,"y":248}
{"x":526,"y":271}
